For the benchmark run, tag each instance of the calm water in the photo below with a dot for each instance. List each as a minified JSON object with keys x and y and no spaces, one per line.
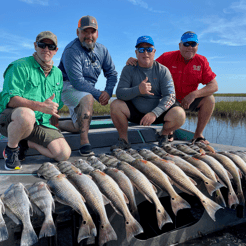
{"x":230,"y":99}
{"x":221,"y":131}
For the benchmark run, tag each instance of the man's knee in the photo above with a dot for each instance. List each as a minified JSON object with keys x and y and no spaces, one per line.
{"x":117,"y":105}
{"x":208,"y":101}
{"x":24,"y":115}
{"x":61,"y":150}
{"x":176,"y":114}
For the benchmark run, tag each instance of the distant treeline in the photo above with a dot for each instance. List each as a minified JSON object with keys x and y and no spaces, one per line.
{"x":230,"y":94}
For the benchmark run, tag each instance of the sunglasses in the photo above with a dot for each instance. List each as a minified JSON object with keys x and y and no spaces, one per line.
{"x":43,"y":46}
{"x":192,"y":44}
{"x":142,"y":49}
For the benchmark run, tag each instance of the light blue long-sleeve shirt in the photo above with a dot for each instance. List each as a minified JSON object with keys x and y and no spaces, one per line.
{"x":78,"y":68}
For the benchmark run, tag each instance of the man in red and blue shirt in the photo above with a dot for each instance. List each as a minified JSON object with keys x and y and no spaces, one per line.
{"x":188,"y":70}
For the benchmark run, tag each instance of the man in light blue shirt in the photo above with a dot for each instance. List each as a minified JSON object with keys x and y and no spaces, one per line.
{"x":81,"y":64}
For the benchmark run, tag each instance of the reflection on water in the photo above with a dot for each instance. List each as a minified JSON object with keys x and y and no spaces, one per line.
{"x":230,"y":99}
{"x":221,"y":130}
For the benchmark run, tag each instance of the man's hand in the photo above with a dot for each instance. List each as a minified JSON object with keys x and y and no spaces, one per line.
{"x":145,"y":87}
{"x":104,"y":98}
{"x":148,"y":119}
{"x":188,"y":100}
{"x":132,"y":61}
{"x":50,"y":107}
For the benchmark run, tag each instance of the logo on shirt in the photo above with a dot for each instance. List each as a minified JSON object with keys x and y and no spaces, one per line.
{"x":196,"y":68}
{"x":174,"y":67}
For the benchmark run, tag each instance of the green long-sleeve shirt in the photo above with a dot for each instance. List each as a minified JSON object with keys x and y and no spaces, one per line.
{"x":25,"y":78}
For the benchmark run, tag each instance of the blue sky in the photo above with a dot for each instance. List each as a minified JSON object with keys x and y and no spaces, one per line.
{"x":220,"y":26}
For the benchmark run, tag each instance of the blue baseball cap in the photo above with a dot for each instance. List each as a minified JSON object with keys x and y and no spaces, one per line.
{"x":145,"y":39}
{"x":189,"y":37}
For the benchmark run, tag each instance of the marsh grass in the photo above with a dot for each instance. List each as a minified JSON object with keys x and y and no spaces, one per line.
{"x":235,"y":110}
{"x":98,"y":109}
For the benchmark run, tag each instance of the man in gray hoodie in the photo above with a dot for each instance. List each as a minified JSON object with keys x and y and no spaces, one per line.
{"x":145,"y":95}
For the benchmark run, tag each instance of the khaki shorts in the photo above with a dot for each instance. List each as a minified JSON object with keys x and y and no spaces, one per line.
{"x":41,"y":135}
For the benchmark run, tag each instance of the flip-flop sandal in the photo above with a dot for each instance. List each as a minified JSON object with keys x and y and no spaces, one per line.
{"x":170,"y":137}
{"x":200,"y":139}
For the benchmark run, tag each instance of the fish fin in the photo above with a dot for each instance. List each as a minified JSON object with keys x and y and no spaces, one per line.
{"x":212,"y":186}
{"x":106,"y":234}
{"x":87,"y":229}
{"x":162,"y":217}
{"x":154,"y":185}
{"x":193,"y":181}
{"x":232,"y":198}
{"x":28,"y":236}
{"x":125,"y":197}
{"x":240,"y":174}
{"x":178,"y":203}
{"x":89,"y":176}
{"x":220,"y":180}
{"x":182,"y":189}
{"x":12,"y":216}
{"x":154,"y":188}
{"x":115,"y":209}
{"x":133,"y":228}
{"x":210,"y":206}
{"x":53,"y":206}
{"x":229,"y":175}
{"x":36,"y":210}
{"x":218,"y":197}
{"x":48,"y":228}
{"x":170,"y":180}
{"x":105,"y":200}
{"x":83,"y":198}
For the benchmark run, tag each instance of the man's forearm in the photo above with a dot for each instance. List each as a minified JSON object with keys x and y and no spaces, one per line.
{"x":207,"y":90}
{"x":17,"y":101}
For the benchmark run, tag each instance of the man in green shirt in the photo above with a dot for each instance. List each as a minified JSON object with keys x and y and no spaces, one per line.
{"x":31,"y":95}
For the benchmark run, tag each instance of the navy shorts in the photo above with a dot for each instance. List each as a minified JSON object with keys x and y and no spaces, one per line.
{"x":136,"y":116}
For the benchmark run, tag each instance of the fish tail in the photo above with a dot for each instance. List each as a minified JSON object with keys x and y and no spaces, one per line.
{"x":178,"y":203}
{"x":218,"y":197}
{"x":3,"y":231}
{"x":210,"y":206}
{"x":106,"y":234}
{"x":212,"y":186}
{"x":133,"y":228}
{"x":232,"y":198}
{"x":87,"y":229}
{"x":28,"y":236}
{"x":162,"y":217}
{"x":48,"y":228}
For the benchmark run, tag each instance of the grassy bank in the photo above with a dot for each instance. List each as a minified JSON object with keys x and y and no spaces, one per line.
{"x":235,"y":109}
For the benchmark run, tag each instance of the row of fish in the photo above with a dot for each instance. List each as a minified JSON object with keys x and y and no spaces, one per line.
{"x":113,"y":178}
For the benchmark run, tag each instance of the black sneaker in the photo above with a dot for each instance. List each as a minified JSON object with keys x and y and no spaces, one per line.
{"x":86,"y":150}
{"x":162,"y":140}
{"x":12,"y":161}
{"x":122,"y":144}
{"x":23,"y":147}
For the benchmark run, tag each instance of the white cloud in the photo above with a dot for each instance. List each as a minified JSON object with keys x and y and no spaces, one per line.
{"x":230,"y":29}
{"x":145,"y":6}
{"x":40,"y":2}
{"x":13,"y":43}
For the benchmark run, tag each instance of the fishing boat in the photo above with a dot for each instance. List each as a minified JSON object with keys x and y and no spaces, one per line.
{"x":188,"y":224}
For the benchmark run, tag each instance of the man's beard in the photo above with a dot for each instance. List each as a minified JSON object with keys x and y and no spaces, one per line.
{"x":89,"y":46}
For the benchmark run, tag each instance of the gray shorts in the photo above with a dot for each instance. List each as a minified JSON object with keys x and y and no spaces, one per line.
{"x":71,"y":98}
{"x":41,"y":135}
